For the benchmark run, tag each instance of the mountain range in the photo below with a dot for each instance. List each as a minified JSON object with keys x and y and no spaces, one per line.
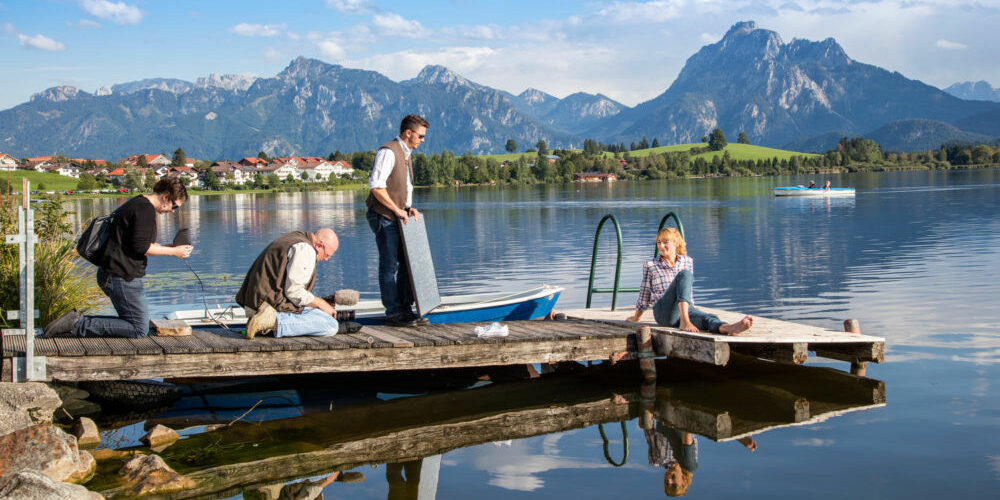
{"x":802,"y":94}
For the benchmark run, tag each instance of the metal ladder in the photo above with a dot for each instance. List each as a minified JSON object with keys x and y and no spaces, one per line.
{"x":591,"y":290}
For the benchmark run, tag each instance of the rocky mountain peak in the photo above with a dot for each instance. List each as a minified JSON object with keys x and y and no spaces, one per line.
{"x":435,"y":74}
{"x":59,"y":94}
{"x":228,"y":81}
{"x":535,"y":96}
{"x":303,"y":67}
{"x":977,"y":91}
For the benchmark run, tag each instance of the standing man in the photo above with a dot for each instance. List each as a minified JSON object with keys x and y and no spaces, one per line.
{"x":123,"y":264}
{"x":390,"y":203}
{"x":277,"y":290}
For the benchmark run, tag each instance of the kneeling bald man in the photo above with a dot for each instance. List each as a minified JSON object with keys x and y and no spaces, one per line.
{"x":277,"y":291}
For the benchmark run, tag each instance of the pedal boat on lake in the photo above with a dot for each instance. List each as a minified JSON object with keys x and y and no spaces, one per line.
{"x":535,"y":303}
{"x":804,"y":191}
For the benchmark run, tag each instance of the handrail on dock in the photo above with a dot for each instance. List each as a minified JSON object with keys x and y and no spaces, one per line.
{"x":618,"y":265}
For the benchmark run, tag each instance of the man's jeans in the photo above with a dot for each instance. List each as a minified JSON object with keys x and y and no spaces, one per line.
{"x":311,"y":321}
{"x":130,"y":304}
{"x":667,"y":313}
{"x":393,"y":271}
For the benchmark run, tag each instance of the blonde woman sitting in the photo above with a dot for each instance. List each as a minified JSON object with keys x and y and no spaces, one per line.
{"x":666,"y":288}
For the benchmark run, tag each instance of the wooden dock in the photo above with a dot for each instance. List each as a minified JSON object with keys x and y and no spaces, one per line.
{"x":585,"y":335}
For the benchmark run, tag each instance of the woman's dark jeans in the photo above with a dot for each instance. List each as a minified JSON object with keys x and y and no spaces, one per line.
{"x":667,"y":313}
{"x":130,"y":304}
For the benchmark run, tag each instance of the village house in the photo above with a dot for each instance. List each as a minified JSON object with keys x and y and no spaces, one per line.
{"x":161,"y":171}
{"x":69,"y":169}
{"x":228,"y":172}
{"x":342,"y":168}
{"x":594,"y":177}
{"x":316,"y":171}
{"x":289,"y":168}
{"x":151,"y":160}
{"x":8,"y":162}
{"x":116,"y":176}
{"x":251,"y":161}
{"x":189,"y":173}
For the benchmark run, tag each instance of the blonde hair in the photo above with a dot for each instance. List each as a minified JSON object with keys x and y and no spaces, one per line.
{"x":680,"y":489}
{"x":671,"y":234}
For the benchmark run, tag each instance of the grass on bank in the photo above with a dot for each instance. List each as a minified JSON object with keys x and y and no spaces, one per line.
{"x":49,"y":181}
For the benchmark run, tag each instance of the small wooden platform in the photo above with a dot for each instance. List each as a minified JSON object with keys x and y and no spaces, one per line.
{"x":587,"y":335}
{"x":771,"y":339}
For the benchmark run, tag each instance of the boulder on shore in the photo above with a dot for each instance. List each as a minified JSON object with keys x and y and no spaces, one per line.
{"x":47,"y":449}
{"x":25,"y":404}
{"x":33,"y":485}
{"x":148,"y":474}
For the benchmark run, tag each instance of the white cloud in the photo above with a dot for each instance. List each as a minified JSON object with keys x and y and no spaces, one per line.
{"x":273,"y":55}
{"x":641,"y":12}
{"x":397,"y":25}
{"x":116,"y":12}
{"x":9,"y":29}
{"x":710,"y":38}
{"x":815,"y":442}
{"x":40,"y":42}
{"x":950,"y":45}
{"x":329,"y":45}
{"x":352,"y":6}
{"x":84,"y":24}
{"x":265,"y":30}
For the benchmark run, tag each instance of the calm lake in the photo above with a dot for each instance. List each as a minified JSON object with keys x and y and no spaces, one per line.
{"x":915,"y":257}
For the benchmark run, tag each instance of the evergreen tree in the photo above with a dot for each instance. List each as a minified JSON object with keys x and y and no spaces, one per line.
{"x":263,"y":156}
{"x":542,"y":147}
{"x":743,"y":139}
{"x":656,"y":143}
{"x":511,"y":145}
{"x":179,"y":158}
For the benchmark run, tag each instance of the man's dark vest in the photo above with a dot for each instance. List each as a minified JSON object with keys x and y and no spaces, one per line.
{"x":265,"y":281}
{"x":395,"y":184}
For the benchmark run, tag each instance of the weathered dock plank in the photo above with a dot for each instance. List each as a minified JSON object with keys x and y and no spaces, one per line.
{"x":771,"y":339}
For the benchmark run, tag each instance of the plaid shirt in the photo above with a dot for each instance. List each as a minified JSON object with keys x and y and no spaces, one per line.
{"x":657,"y":276}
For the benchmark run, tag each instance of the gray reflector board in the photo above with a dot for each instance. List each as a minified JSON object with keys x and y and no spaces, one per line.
{"x":418,"y":255}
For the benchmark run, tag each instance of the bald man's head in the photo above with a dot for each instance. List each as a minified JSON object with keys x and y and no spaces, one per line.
{"x":325,"y":242}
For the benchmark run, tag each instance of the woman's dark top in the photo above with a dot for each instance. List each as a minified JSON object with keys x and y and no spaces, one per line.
{"x":132,"y":231}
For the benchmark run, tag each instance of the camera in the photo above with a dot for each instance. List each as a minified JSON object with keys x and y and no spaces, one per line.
{"x":345,"y":315}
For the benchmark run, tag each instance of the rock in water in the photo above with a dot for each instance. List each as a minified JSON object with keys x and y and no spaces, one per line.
{"x":147,"y":474}
{"x":86,"y":432}
{"x":160,"y":435}
{"x":33,"y":485}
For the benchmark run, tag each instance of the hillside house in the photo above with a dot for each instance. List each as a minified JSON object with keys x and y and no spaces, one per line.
{"x":251,"y":161}
{"x":342,"y":168}
{"x":317,"y":171}
{"x":8,"y":162}
{"x":69,"y":169}
{"x":151,"y":160}
{"x":192,"y":175}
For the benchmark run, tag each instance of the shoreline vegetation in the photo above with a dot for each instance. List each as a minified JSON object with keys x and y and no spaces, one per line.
{"x":539,"y":165}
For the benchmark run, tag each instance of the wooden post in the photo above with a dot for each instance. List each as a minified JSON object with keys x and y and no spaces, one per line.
{"x":647,"y":362}
{"x":858,"y":367}
{"x":647,"y":404}
{"x":852,"y":326}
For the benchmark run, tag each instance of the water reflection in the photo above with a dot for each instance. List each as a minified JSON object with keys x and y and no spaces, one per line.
{"x":426,"y":437}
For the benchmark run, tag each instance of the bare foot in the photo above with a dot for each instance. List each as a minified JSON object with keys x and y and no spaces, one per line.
{"x":687,"y":326}
{"x":738,"y":327}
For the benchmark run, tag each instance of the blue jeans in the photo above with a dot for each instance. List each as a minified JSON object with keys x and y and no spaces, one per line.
{"x":667,"y":313}
{"x":130,"y":304}
{"x":311,"y":321}
{"x":393,"y":270}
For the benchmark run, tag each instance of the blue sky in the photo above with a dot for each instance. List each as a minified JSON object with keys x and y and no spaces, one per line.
{"x":628,"y":50}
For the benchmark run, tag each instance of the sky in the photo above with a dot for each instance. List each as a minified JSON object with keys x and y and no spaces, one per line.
{"x":628,"y":50}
